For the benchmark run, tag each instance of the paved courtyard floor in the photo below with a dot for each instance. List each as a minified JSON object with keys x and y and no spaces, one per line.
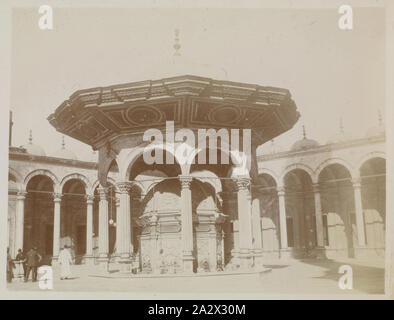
{"x":316,"y":277}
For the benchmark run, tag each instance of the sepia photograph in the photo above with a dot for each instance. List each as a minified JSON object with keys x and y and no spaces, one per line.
{"x":181,"y":150}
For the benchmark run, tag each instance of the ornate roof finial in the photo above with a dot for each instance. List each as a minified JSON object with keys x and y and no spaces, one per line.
{"x":63,"y":143}
{"x":380,"y":118}
{"x":177,"y":45}
{"x":303,"y":132}
{"x":31,"y":137}
{"x":341,"y":125}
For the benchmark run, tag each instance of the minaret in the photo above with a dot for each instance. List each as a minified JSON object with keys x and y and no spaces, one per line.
{"x":380,"y":119}
{"x":63,"y":143}
{"x":10,"y":130}
{"x":303,"y":131}
{"x":31,"y":137}
{"x":177,"y":45}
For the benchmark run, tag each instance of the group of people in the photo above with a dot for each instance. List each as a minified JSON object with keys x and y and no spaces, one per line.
{"x":32,"y":260}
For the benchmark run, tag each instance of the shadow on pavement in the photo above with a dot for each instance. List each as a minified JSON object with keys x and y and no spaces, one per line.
{"x":366,"y":279}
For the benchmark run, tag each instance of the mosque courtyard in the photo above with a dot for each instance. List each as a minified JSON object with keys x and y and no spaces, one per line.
{"x":296,"y":277}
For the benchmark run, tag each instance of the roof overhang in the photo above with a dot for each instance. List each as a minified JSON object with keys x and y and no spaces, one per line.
{"x":98,"y":115}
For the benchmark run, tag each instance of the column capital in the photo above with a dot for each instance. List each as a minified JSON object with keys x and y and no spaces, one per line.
{"x":21,"y":195}
{"x":242,"y":183}
{"x":356,"y":183}
{"x":103,"y":193}
{"x":124,"y":186}
{"x":57,"y":197}
{"x":281,"y":191}
{"x":316,"y":188}
{"x":185,"y":181}
{"x":89,"y":198}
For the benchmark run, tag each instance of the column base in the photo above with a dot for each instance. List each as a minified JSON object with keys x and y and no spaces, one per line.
{"x":88,"y":259}
{"x":245,"y":259}
{"x":125,"y":264}
{"x":285,"y":254}
{"x":319,"y":253}
{"x":188,"y":262}
{"x":258,"y":257}
{"x":54,"y":260}
{"x":102,"y":259}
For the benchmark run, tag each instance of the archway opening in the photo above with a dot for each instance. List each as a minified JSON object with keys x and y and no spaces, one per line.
{"x":337,"y":200}
{"x":300,"y":212}
{"x":265,"y":189}
{"x":373,"y":194}
{"x":39,"y":210}
{"x":73,"y":218}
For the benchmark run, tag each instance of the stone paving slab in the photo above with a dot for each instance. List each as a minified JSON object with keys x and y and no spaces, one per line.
{"x":315,"y":277}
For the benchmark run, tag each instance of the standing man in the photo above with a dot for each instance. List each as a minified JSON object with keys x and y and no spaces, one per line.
{"x":65,"y":261}
{"x":10,"y":266}
{"x":21,"y":257}
{"x":32,"y":261}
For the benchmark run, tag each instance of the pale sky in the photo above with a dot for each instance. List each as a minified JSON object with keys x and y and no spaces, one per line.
{"x":330,"y":73}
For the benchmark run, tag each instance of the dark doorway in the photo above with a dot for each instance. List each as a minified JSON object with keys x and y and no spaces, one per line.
{"x":49,"y":240}
{"x":81,"y":240}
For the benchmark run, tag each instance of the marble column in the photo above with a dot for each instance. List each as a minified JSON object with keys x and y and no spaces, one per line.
{"x":103,"y":225}
{"x":359,"y":211}
{"x":244,"y":221}
{"x":155,"y":264}
{"x":256,"y":228}
{"x":20,"y":217}
{"x":282,"y":218}
{"x":117,"y":210}
{"x":123,"y":224}
{"x":318,"y":216}
{"x":187,"y":224}
{"x":89,"y":226}
{"x":57,"y":198}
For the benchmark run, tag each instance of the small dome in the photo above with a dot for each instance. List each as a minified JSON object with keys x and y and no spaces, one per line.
{"x":342,"y":136}
{"x":304,"y":143}
{"x":32,"y":148}
{"x":65,"y":153}
{"x":376,"y":130}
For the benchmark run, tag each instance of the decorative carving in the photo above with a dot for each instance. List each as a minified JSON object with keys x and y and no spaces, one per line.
{"x":103,"y":193}
{"x":185,"y":181}
{"x":124,"y":187}
{"x":243,"y":183}
{"x":21,"y":195}
{"x":281,"y":191}
{"x":316,"y":188}
{"x":57,"y":197}
{"x":89,"y":198}
{"x":356,"y":183}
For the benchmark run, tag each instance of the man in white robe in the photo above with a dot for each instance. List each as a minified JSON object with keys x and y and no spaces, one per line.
{"x":65,"y":261}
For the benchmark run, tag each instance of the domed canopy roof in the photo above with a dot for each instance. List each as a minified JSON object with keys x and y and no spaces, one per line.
{"x":32,"y":148}
{"x":341,"y":136}
{"x":304,"y":143}
{"x":65,"y":153}
{"x":376,"y":130}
